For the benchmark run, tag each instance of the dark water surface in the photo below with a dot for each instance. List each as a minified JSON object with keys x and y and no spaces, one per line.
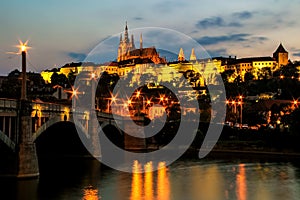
{"x":191,"y":179}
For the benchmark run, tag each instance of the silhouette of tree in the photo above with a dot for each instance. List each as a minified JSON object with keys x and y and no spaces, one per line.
{"x":59,"y":79}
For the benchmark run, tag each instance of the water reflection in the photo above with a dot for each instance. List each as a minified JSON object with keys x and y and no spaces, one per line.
{"x":142,"y":186}
{"x":90,"y":193}
{"x":185,"y":179}
{"x":241,"y":185}
{"x":163,"y":185}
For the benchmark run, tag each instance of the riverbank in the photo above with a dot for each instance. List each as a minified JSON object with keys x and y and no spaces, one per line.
{"x":235,"y":154}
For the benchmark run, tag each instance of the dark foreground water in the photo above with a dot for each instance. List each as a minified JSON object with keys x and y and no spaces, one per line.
{"x":186,"y":179}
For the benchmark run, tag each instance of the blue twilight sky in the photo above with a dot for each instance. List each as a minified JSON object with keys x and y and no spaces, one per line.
{"x":61,"y":31}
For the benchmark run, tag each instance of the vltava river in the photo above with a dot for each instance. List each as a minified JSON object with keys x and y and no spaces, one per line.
{"x":186,"y":179}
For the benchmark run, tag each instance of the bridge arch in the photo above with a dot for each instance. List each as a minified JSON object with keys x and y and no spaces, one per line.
{"x":113,"y":133}
{"x":53,"y":121}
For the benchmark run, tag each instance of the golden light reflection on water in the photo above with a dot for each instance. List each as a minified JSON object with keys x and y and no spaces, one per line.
{"x":214,"y":183}
{"x":241,"y":185}
{"x":90,"y":193}
{"x":208,"y":181}
{"x":148,"y":183}
{"x":142,"y":186}
{"x":163,"y":185}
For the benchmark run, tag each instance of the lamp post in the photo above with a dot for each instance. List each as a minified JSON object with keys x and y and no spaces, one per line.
{"x":241,"y":104}
{"x":295,"y":102}
{"x":235,"y":103}
{"x":23,"y":47}
{"x":93,"y":78}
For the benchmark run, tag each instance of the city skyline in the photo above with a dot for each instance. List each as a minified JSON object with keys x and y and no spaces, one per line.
{"x":60,"y":32}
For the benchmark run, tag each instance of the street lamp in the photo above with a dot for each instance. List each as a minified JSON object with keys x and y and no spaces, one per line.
{"x":241,"y":104}
{"x":23,"y":46}
{"x":295,"y":103}
{"x":93,"y":79}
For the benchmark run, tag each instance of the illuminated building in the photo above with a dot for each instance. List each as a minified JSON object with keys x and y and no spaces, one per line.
{"x":181,"y":56}
{"x":258,"y":66}
{"x":193,"y":55}
{"x":127,"y":50}
{"x":281,"y":56}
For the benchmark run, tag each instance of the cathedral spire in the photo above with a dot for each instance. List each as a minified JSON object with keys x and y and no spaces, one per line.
{"x":181,"y":55}
{"x":132,"y":42}
{"x":120,"y":37}
{"x":126,"y":34}
{"x":193,"y":55}
{"x":141,"y":41}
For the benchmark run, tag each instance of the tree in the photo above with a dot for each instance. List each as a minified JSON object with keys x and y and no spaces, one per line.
{"x":71,"y":77}
{"x":248,"y":77}
{"x":59,"y":79}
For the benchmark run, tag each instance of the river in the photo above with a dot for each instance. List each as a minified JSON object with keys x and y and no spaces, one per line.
{"x":186,"y":179}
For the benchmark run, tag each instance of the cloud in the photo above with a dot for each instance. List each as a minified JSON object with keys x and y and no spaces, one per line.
{"x":296,"y":54}
{"x":217,"y":52}
{"x":216,"y":21}
{"x":77,"y":56}
{"x":243,"y":15}
{"x":259,"y":39}
{"x":227,"y":21}
{"x":138,"y":18}
{"x":211,"y":40}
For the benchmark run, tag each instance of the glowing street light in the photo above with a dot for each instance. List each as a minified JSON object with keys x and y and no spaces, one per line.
{"x":23,"y":46}
{"x":129,"y":101}
{"x":281,"y":77}
{"x":138,"y":94}
{"x":93,"y":75}
{"x":295,"y":102}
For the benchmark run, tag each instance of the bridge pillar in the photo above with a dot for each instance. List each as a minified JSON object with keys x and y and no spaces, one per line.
{"x":136,"y":140}
{"x":27,"y":162}
{"x":94,"y":136}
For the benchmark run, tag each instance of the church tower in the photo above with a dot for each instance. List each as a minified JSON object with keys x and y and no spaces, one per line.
{"x":281,"y":56}
{"x":126,"y":45}
{"x":126,"y":39}
{"x":193,"y":55}
{"x":141,"y":42}
{"x":181,"y":55}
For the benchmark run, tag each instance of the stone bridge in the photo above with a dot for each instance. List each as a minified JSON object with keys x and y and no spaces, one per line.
{"x":22,"y":122}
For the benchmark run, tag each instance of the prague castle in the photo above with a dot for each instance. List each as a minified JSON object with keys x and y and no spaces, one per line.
{"x":141,"y":60}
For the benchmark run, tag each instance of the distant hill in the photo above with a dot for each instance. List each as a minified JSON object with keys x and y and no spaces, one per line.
{"x":170,"y":56}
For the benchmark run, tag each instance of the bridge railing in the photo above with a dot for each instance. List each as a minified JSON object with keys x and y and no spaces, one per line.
{"x":8,"y":103}
{"x":49,"y":107}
